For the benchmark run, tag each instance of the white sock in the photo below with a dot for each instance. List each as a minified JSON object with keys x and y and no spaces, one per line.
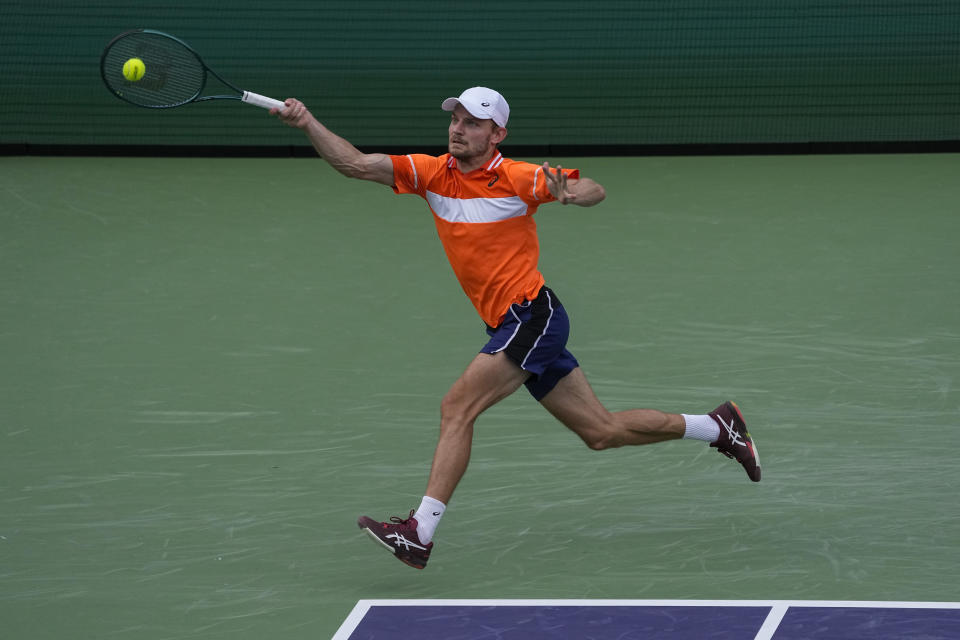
{"x":428,"y":517}
{"x":701,"y":428}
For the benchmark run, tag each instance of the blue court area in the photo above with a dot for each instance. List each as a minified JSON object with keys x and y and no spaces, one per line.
{"x":651,"y":619}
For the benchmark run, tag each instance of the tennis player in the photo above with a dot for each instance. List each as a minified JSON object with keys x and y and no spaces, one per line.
{"x":483,"y":206}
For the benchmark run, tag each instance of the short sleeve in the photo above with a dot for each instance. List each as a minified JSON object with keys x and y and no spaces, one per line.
{"x":411,"y":172}
{"x":530,"y":183}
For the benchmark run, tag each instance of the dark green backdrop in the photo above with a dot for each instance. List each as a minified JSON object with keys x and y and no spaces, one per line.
{"x":575,"y":73}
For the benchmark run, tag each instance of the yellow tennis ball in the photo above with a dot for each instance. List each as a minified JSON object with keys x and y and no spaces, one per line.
{"x":133,"y":69}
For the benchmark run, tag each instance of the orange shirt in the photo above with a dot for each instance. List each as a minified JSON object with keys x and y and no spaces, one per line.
{"x":485,"y":221}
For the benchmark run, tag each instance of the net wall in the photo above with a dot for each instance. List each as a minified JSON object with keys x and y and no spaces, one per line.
{"x":575,"y":73}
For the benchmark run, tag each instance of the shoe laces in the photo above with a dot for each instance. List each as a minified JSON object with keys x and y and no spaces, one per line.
{"x":398,"y":521}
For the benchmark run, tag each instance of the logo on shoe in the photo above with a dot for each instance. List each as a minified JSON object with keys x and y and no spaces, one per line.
{"x":399,"y":540}
{"x":733,"y":434}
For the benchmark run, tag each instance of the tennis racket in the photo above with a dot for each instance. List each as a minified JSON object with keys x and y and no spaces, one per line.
{"x":173,"y":73}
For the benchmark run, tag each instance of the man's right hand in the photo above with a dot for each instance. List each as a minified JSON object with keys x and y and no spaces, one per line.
{"x":294,"y":114}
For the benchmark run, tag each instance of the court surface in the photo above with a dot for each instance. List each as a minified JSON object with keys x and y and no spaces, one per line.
{"x":211,"y":367}
{"x":652,"y":619}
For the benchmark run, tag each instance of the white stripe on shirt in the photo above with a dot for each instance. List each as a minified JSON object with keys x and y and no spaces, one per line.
{"x":474,"y":210}
{"x":413,"y":167}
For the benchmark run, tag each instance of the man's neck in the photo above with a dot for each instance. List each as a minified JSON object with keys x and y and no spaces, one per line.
{"x":471,"y":164}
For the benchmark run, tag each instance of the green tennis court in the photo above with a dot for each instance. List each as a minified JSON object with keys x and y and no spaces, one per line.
{"x":212,"y":366}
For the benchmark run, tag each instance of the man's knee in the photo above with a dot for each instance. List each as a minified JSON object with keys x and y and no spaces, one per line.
{"x":456,"y":412}
{"x":450,"y":408}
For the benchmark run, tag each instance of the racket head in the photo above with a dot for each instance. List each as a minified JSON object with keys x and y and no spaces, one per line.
{"x":175,"y":75}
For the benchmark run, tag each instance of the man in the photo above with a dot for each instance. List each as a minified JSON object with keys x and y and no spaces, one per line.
{"x":483,"y":206}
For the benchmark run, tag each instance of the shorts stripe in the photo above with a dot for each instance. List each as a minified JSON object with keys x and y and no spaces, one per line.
{"x":516,"y":329}
{"x":546,"y":328}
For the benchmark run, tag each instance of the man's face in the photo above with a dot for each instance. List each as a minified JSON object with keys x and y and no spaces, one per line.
{"x":469,"y":137}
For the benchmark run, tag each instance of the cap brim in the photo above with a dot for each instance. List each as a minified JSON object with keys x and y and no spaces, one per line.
{"x":450,"y":104}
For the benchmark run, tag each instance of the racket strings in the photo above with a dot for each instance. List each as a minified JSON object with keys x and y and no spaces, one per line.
{"x":174,"y":75}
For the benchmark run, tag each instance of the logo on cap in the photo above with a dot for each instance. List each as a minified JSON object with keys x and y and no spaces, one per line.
{"x":484,"y":104}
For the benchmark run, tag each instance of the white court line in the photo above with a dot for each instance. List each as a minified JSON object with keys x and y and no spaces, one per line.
{"x":350,"y":624}
{"x":778,"y":608}
{"x":774,"y":618}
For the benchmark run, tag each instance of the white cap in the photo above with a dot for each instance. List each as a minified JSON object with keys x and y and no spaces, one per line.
{"x":482,"y":103}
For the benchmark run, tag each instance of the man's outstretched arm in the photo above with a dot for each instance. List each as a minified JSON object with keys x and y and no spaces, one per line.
{"x":339,"y":153}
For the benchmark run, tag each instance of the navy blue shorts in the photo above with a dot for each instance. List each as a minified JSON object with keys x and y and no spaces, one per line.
{"x":534,"y":337}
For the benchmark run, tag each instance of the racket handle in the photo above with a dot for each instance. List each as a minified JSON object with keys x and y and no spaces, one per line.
{"x":261,"y":101}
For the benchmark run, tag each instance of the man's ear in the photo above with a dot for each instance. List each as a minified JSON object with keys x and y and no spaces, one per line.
{"x":499,"y":134}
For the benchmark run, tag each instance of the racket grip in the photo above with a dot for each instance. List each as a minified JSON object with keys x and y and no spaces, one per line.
{"x":261,"y":101}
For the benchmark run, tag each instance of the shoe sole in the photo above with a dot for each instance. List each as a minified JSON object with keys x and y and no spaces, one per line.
{"x":376,"y":539}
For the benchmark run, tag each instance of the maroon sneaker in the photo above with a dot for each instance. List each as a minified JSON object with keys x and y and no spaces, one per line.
{"x":400,"y":537}
{"x":734,"y":441}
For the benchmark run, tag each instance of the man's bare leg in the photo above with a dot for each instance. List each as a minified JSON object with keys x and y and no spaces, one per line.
{"x":574,"y":403}
{"x":487,"y":380}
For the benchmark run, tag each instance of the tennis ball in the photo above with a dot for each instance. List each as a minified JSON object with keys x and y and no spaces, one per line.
{"x":133,"y":69}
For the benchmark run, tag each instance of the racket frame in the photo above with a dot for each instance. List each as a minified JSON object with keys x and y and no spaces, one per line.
{"x":244,"y":96}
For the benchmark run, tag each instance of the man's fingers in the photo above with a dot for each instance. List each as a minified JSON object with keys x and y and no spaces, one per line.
{"x":547,"y":173}
{"x":557,"y":183}
{"x":293,"y":111}
{"x":561,"y":178}
{"x":555,"y":178}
